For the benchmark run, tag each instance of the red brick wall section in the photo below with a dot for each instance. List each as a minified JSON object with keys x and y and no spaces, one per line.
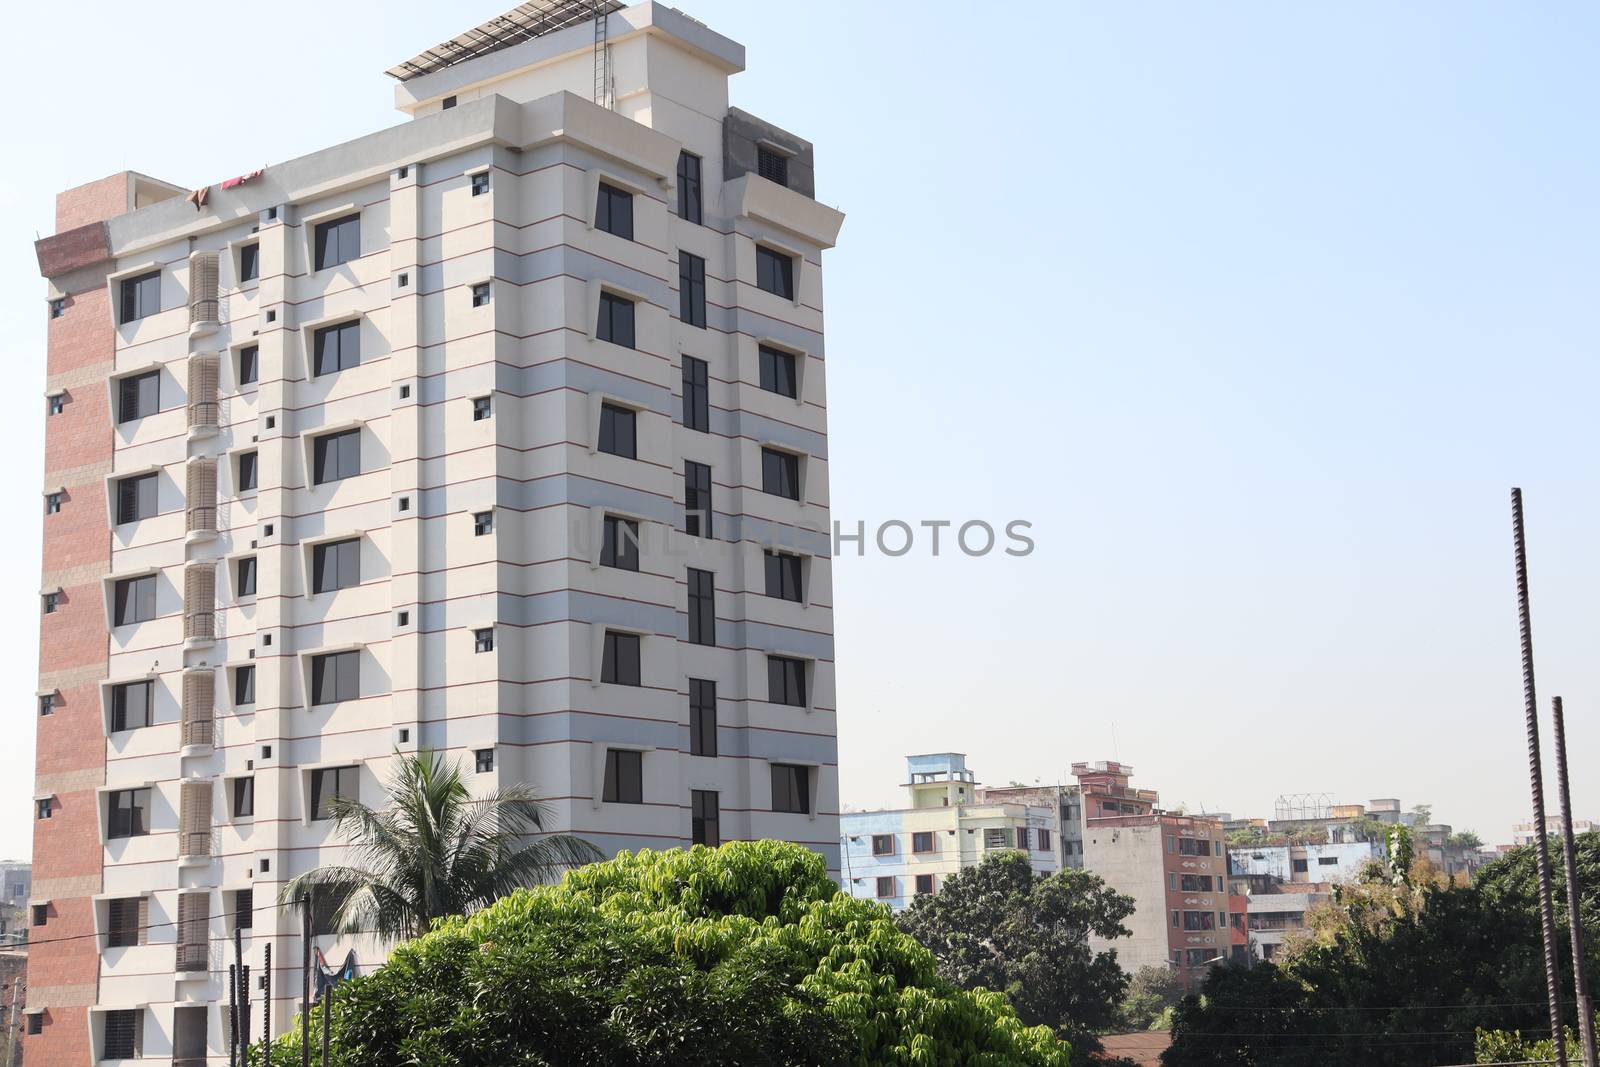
{"x":92,"y":202}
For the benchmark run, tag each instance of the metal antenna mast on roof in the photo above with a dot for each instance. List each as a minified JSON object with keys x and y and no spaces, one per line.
{"x":602,"y":54}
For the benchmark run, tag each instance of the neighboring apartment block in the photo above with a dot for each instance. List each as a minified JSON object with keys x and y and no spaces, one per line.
{"x":1285,"y":881}
{"x":894,"y":855}
{"x":16,"y":884}
{"x":501,"y":433}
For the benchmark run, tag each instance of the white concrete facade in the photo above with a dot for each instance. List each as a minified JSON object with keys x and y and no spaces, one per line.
{"x":432,"y":582}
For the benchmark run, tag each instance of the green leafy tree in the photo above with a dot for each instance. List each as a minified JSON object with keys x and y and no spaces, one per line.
{"x":999,"y":925}
{"x":1465,"y":839}
{"x":1509,"y":1046}
{"x":1152,"y":993}
{"x":435,"y":851}
{"x":746,"y":954}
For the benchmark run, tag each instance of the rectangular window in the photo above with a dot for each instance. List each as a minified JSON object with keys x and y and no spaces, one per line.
{"x":141,"y":296}
{"x":336,"y":456}
{"x":330,"y":783}
{"x":1199,"y":920}
{"x":247,"y":472}
{"x":791,"y":788}
{"x":1196,"y":883}
{"x":996,"y":837}
{"x":483,"y":760}
{"x":619,"y":659}
{"x":138,"y":395}
{"x":43,"y":808}
{"x":336,"y":565}
{"x":480,"y":294}
{"x":778,"y":372}
{"x":691,"y":289}
{"x":129,"y":813}
{"x":1022,"y":838}
{"x":772,"y":165}
{"x":335,"y":676}
{"x":702,"y":717}
{"x":1188,"y":846}
{"x":336,"y":348}
{"x":245,"y":577}
{"x":249,"y":262}
{"x":885,"y":886}
{"x":1299,"y":866}
{"x":58,"y":307}
{"x":924,"y":884}
{"x":481,"y":408}
{"x":924,"y":841}
{"x":57,"y":403}
{"x":780,"y":473}
{"x":624,"y":777}
{"x":244,"y":909}
{"x":702,"y":607}
{"x":696,"y":395}
{"x":244,"y":685}
{"x":122,"y":922}
{"x":1044,"y":839}
{"x":243,"y":796}
{"x":482,"y":523}
{"x":689,"y":187}
{"x":136,"y":497}
{"x":134,"y":600}
{"x":786,"y":681}
{"x":783,"y":575}
{"x":696,"y":499}
{"x":883,"y":844}
{"x":122,"y":1035}
{"x":616,"y":320}
{"x":130,"y":705}
{"x":705,"y":818}
{"x":249,"y":364}
{"x":47,"y":704}
{"x":775,"y":272}
{"x":618,"y":431}
{"x":619,"y":545}
{"x":1327,"y":861}
{"x":338,"y":241}
{"x":483,"y":640}
{"x":613,"y":211}
{"x":480,"y":183}
{"x":51,"y":602}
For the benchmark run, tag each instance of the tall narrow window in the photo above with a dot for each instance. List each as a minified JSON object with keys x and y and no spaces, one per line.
{"x":243,"y":795}
{"x":613,"y":211}
{"x":336,"y":565}
{"x":245,"y":577}
{"x":247,"y":472}
{"x":772,"y":165}
{"x":696,"y":395}
{"x":141,"y":296}
{"x":783,"y":575}
{"x":130,"y":705}
{"x":778,"y":372}
{"x":335,"y":677}
{"x":331,"y":783}
{"x":338,"y":241}
{"x":336,"y":456}
{"x":692,"y":289}
{"x":136,"y":497}
{"x":616,"y":320}
{"x":775,"y":272}
{"x":249,"y":364}
{"x":336,"y":348}
{"x":780,"y":473}
{"x":702,"y":717}
{"x":705,"y":819}
{"x":689,"y":187}
{"x":702,"y":607}
{"x":624,"y":782}
{"x":696,"y":499}
{"x":249,"y":262}
{"x":791,"y":788}
{"x":619,"y":659}
{"x":138,"y":395}
{"x":618,"y":431}
{"x":134,"y":600}
{"x":122,"y":922}
{"x":52,"y":503}
{"x":786,"y":681}
{"x":58,"y":307}
{"x":619,"y":545}
{"x":244,"y":685}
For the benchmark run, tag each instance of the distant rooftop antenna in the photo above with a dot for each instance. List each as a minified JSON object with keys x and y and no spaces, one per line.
{"x":602,"y":54}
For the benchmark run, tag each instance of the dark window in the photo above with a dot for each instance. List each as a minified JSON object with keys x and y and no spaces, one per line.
{"x":886,"y":886}
{"x":480,"y":294}
{"x":619,"y":659}
{"x":138,"y":395}
{"x":244,"y":800}
{"x":783,"y":575}
{"x":482,"y":523}
{"x":58,"y":403}
{"x":624,"y":777}
{"x":136,"y":497}
{"x":336,"y":565}
{"x":244,"y":685}
{"x":336,"y":348}
{"x":702,"y":717}
{"x":786,"y":681}
{"x":52,"y":503}
{"x":619,"y":545}
{"x":134,"y":600}
{"x":696,"y":499}
{"x":336,"y":456}
{"x":702,"y":607}
{"x":141,"y":296}
{"x":43,"y":808}
{"x":618,"y":431}
{"x":130,"y":705}
{"x":35,"y":1023}
{"x":122,"y":1034}
{"x":883,"y":844}
{"x":331,"y":782}
{"x":780,"y":473}
{"x":791,"y":788}
{"x":51,"y":602}
{"x":481,"y":408}
{"x":1190,"y":847}
{"x":923,"y":841}
{"x":338,"y":241}
{"x":1022,"y":838}
{"x":129,"y":813}
{"x":924,"y":884}
{"x":47,"y":704}
{"x":480,"y":183}
{"x":689,"y":187}
{"x":41,"y":913}
{"x":1299,"y":866}
{"x":692,"y":289}
{"x":483,"y":640}
{"x":775,"y":272}
{"x":772,"y":165}
{"x":244,"y":902}
{"x":335,"y":676}
{"x":245,"y":577}
{"x":705,"y":820}
{"x":247,"y":471}
{"x":122,"y":922}
{"x":249,"y":262}
{"x":696,"y":395}
{"x":1327,"y":861}
{"x":249,"y":364}
{"x":616,"y":320}
{"x":447,"y":103}
{"x":777,"y":372}
{"x":483,"y":760}
{"x":58,"y":307}
{"x":613,"y":211}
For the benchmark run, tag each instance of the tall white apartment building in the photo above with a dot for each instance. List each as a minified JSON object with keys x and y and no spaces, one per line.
{"x":501,"y":433}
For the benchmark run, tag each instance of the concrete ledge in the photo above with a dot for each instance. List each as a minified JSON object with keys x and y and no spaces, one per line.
{"x":752,"y":196}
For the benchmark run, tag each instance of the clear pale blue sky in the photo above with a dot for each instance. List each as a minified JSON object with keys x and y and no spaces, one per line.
{"x":1256,"y":311}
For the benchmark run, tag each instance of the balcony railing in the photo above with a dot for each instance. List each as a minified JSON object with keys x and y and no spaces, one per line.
{"x":195,"y":843}
{"x":194,"y":957}
{"x":200,"y":625}
{"x":202,"y":517}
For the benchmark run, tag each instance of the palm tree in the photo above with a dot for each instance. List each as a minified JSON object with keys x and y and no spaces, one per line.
{"x":434,"y":852}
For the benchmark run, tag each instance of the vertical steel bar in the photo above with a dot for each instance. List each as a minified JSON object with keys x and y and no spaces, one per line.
{"x":1580,"y":979}
{"x":266,"y":1007}
{"x":305,"y":981}
{"x":233,"y":1015}
{"x":1547,"y":918}
{"x":327,"y":1021}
